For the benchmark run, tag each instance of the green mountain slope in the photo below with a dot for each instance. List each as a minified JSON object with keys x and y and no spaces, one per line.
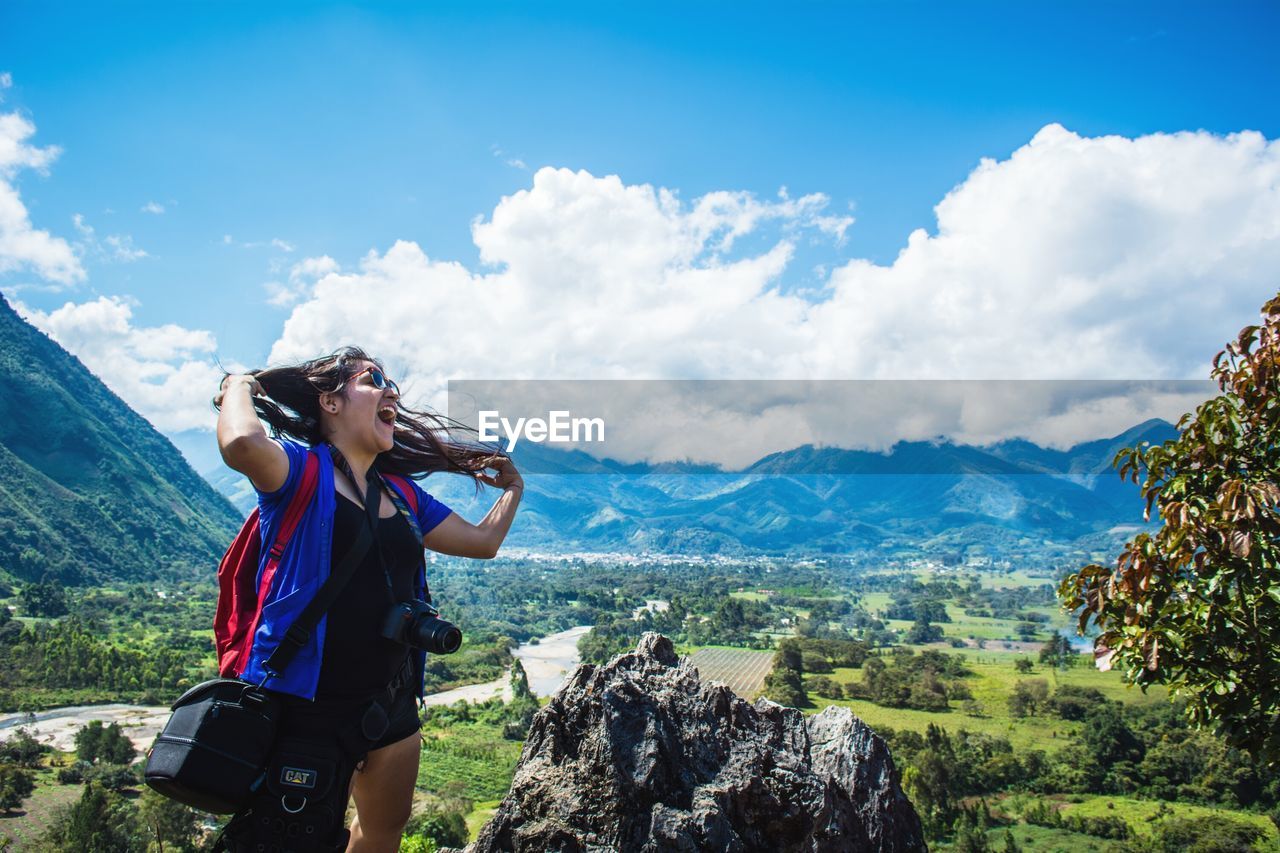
{"x":90,"y":492}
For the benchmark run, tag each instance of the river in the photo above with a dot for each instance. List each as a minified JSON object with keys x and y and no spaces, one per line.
{"x":547,"y":662}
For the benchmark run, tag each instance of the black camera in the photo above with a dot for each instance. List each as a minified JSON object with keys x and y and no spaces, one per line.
{"x":416,"y":623}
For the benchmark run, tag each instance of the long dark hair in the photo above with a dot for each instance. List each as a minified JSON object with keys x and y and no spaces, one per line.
{"x":425,"y":442}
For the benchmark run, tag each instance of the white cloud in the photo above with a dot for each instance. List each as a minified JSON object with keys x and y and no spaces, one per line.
{"x":121,"y":248}
{"x":513,"y":162}
{"x":1075,"y":257}
{"x":736,"y":422}
{"x":158,"y":370}
{"x":273,"y":243}
{"x":153,"y":207}
{"x":22,"y":246}
{"x":302,"y":279}
{"x":163,"y":372}
{"x":116,"y":248}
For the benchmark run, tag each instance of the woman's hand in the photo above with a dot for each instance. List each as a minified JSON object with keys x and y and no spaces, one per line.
{"x":232,"y":380}
{"x":506,"y":478}
{"x":459,"y":537}
{"x":244,"y":444}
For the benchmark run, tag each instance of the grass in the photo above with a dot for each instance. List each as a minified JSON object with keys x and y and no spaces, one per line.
{"x":992,"y":683}
{"x":26,"y":825}
{"x":479,"y":816}
{"x":982,"y":627}
{"x":1043,"y":839}
{"x":1142,"y":815}
{"x":472,"y":754}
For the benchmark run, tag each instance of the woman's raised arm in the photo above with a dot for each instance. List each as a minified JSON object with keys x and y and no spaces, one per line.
{"x":460,"y":538}
{"x":244,"y":444}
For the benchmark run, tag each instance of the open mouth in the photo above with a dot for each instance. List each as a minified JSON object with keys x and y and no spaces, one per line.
{"x":387,"y":414}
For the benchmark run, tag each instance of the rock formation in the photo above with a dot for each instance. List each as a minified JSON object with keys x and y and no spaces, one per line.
{"x":641,"y":755}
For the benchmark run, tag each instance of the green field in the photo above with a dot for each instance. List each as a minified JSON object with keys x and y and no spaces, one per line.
{"x":479,"y":816}
{"x":24,"y":826}
{"x":473,"y":756}
{"x":991,"y":684}
{"x":743,"y":670}
{"x":1142,"y":815}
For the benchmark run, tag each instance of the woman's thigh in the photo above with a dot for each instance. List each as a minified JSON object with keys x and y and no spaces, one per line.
{"x":383,"y":788}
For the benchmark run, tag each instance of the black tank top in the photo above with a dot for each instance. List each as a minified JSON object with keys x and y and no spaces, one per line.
{"x":357,"y":660}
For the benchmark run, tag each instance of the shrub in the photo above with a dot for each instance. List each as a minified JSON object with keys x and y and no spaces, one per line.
{"x":1207,"y":834}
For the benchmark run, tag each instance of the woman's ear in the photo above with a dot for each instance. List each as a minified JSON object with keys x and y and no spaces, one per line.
{"x":329,"y":403}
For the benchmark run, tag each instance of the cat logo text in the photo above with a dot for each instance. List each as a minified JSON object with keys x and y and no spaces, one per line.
{"x":297,"y":777}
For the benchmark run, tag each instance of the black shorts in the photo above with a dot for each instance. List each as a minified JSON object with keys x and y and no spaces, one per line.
{"x":404,"y":719}
{"x":322,"y":718}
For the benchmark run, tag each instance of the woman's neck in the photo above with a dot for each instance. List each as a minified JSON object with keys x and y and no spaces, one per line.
{"x":358,"y":459}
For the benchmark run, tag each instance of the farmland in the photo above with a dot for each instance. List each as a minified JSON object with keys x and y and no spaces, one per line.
{"x":743,"y":670}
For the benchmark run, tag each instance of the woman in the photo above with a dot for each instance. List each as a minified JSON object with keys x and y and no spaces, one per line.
{"x":344,"y":410}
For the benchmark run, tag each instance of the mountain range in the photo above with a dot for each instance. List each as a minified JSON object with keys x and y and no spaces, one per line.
{"x":1014,"y":498}
{"x":90,"y":492}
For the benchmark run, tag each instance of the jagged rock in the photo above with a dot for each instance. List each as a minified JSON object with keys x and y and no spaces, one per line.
{"x":641,"y":755}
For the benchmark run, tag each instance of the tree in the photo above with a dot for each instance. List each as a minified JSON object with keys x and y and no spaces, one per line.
{"x":520,"y":682}
{"x":97,"y":744}
{"x":923,"y":631}
{"x":785,"y":683}
{"x":16,"y":784}
{"x":825,"y":687}
{"x":168,"y":822}
{"x":22,"y":749}
{"x":47,"y":599}
{"x":1196,"y":605}
{"x":522,"y":707}
{"x":968,"y":836}
{"x":1109,"y":738}
{"x":929,"y":781}
{"x":443,"y":828}
{"x":100,"y":820}
{"x":1056,"y":652}
{"x":1022,"y":665}
{"x":1210,"y":832}
{"x":1028,"y":697}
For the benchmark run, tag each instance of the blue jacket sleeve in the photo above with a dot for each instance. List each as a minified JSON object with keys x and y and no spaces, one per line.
{"x":430,"y":511}
{"x":297,"y":454}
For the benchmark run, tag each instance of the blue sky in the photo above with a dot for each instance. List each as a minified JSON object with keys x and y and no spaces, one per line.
{"x":336,"y":130}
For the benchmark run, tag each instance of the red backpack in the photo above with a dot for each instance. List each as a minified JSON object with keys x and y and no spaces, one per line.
{"x":240,"y":593}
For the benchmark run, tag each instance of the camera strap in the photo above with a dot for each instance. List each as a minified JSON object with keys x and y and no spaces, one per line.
{"x":372,"y":511}
{"x":300,"y":631}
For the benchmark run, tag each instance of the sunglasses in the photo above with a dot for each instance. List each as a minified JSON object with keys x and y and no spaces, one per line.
{"x":380,"y":380}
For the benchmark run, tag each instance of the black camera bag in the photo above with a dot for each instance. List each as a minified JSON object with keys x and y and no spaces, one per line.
{"x":213,"y":752}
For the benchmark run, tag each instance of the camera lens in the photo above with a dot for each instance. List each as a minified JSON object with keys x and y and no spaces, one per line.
{"x":437,"y":636}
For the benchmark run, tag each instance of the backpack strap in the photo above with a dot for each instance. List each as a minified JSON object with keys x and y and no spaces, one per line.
{"x":288,"y":525}
{"x":402,"y":493}
{"x":293,"y":513}
{"x":405,"y":500}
